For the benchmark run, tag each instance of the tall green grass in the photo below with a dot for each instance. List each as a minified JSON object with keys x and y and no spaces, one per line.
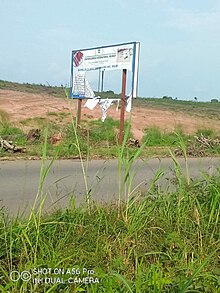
{"x":10,"y":132}
{"x":157,"y":241}
{"x":154,"y":136}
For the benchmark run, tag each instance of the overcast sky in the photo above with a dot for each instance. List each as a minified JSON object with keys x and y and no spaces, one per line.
{"x":180,"y":41}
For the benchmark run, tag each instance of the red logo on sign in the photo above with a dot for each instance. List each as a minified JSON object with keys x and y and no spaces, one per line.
{"x":77,"y":58}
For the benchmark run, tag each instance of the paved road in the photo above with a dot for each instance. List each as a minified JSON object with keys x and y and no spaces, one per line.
{"x":19,"y":180}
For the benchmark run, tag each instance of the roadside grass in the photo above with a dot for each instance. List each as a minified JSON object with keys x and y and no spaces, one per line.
{"x":156,"y":139}
{"x":206,"y":132}
{"x":58,"y":114}
{"x":103,"y":132}
{"x":9,"y":132}
{"x":154,"y":136}
{"x":156,"y":241}
{"x":97,"y":139}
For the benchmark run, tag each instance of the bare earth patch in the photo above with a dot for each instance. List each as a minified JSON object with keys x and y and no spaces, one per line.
{"x":22,"y":106}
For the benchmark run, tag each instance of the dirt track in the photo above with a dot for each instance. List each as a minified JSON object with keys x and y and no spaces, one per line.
{"x":21,"y":106}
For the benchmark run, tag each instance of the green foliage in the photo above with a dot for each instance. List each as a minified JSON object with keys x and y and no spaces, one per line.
{"x":206,"y":132}
{"x":9,"y":132}
{"x":167,"y":98}
{"x":68,"y":146}
{"x":100,"y":132}
{"x":7,"y":129}
{"x":108,"y":94}
{"x":154,"y":136}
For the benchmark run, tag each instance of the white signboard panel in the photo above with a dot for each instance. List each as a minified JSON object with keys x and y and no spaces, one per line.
{"x":114,"y":57}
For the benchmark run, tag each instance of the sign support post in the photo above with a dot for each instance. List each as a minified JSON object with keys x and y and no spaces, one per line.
{"x":102,"y":84}
{"x":79,"y":110}
{"x":122,"y":110}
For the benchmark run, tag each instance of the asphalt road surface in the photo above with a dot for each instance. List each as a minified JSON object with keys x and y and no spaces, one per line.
{"x":19,"y":180}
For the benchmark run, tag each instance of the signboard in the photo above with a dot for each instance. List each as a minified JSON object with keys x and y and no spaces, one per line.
{"x":114,"y":57}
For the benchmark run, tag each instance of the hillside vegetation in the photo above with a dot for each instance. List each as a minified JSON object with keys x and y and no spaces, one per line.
{"x":99,"y":139}
{"x":207,"y":109}
{"x":33,"y":88}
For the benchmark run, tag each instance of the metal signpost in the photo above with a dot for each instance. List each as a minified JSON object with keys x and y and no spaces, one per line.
{"x":79,"y":111}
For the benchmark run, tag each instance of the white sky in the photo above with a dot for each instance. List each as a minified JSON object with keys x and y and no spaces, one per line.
{"x":180,"y":43}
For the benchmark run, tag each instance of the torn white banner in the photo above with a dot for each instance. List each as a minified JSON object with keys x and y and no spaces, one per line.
{"x":128,"y":103}
{"x":78,"y":89}
{"x":104,"y":105}
{"x":91,"y":103}
{"x":88,"y":90}
{"x":118,"y":103}
{"x":81,"y":87}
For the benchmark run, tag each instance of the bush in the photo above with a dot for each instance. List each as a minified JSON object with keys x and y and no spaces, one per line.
{"x":214,"y":101}
{"x":167,"y":98}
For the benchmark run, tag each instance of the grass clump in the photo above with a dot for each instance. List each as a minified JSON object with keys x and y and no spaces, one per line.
{"x":95,"y":138}
{"x":206,"y":132}
{"x":11,"y":133}
{"x":103,"y":132}
{"x":68,"y":146}
{"x":154,"y":136}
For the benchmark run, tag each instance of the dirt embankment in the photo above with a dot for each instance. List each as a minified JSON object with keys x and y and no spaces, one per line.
{"x":22,"y":106}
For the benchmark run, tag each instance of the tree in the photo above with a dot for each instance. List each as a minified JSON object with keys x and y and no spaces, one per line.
{"x":167,"y":98}
{"x":214,"y":101}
